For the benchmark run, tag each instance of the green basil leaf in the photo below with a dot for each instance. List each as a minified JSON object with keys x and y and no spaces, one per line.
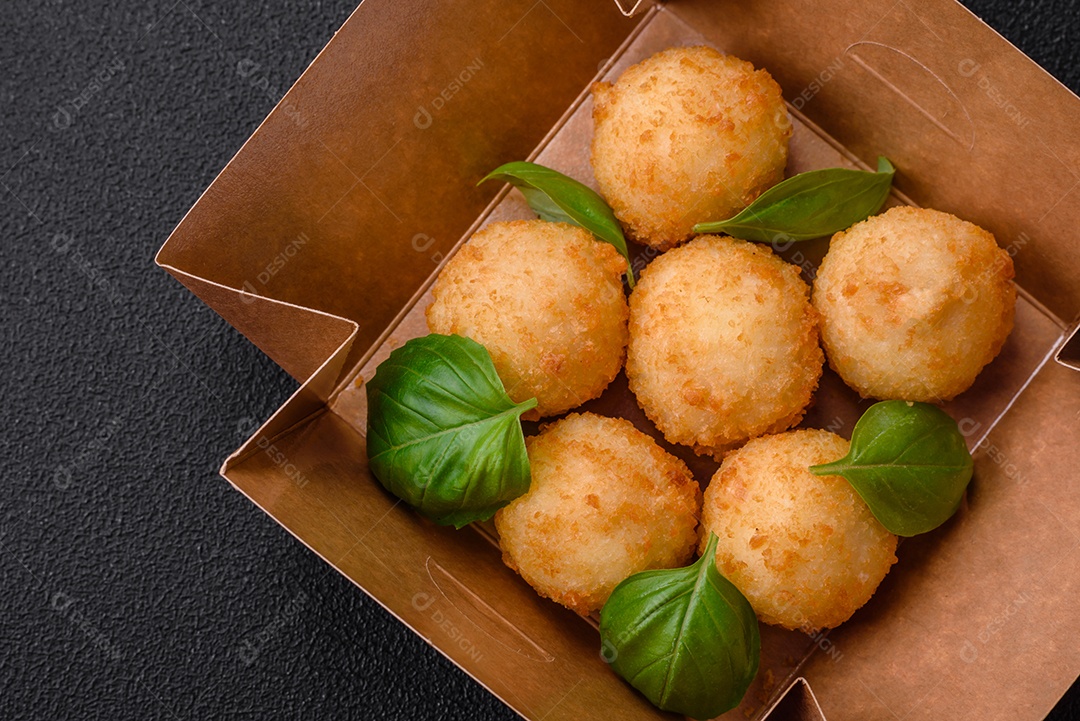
{"x":909,"y":462}
{"x":559,"y":198}
{"x":810,"y":205}
{"x":442,"y":435}
{"x":686,"y":638}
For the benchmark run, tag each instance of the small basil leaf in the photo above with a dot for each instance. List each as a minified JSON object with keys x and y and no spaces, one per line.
{"x":559,"y":198}
{"x":686,"y":638}
{"x":909,"y":462}
{"x":810,"y":205}
{"x":442,"y":435}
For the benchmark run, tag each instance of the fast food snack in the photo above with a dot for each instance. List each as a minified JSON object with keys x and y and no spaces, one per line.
{"x":805,"y":550}
{"x":546,"y":300}
{"x":722,"y":349}
{"x":914,"y":303}
{"x":605,"y":502}
{"x":685,"y":136}
{"x":723,"y":344}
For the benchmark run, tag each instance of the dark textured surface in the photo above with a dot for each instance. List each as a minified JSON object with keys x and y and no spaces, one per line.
{"x":136,"y":582}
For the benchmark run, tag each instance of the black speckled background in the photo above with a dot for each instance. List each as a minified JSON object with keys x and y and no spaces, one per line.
{"x":135,"y":582}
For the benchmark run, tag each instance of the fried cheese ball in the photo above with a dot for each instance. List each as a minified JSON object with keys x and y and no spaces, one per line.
{"x":723,"y":344}
{"x":605,"y":502}
{"x":805,"y":550}
{"x":914,"y":303}
{"x":546,"y":300}
{"x":686,"y":136}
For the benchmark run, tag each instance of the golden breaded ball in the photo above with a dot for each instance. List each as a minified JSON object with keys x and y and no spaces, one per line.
{"x":686,"y":136}
{"x":546,"y":300}
{"x":605,"y":502}
{"x":805,"y":550}
{"x":914,"y":303}
{"x":723,"y":343}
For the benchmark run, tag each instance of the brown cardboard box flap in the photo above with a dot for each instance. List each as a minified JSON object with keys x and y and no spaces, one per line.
{"x":300,"y":340}
{"x":369,"y":163}
{"x":319,"y":239}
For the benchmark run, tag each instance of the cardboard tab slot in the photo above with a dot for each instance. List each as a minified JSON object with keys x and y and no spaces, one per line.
{"x":917,"y":85}
{"x":483,"y":616}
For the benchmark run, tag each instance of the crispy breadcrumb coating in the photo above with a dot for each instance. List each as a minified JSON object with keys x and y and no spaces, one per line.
{"x":686,"y":136}
{"x":546,"y":300}
{"x":605,"y":502}
{"x":914,"y":303}
{"x":805,"y":550}
{"x":723,"y":343}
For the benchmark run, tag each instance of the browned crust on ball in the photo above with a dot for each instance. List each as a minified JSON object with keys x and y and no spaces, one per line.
{"x":605,"y":502}
{"x":914,"y":304}
{"x":723,"y":344}
{"x":547,"y":301}
{"x":805,"y":550}
{"x":686,"y":136}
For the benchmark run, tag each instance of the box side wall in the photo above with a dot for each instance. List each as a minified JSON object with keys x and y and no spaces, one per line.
{"x":979,"y":619}
{"x":299,"y":339}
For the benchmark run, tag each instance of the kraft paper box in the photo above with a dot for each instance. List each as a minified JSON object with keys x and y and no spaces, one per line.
{"x":320,"y":239}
